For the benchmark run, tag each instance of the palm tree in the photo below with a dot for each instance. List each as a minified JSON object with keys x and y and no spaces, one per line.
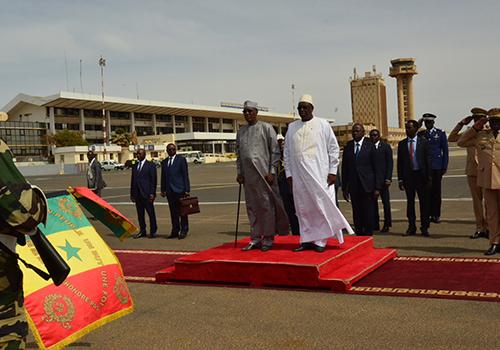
{"x":121,"y":138}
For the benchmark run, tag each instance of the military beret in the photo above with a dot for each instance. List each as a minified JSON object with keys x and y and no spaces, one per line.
{"x":428,"y":116}
{"x":478,"y":111}
{"x":494,"y":113}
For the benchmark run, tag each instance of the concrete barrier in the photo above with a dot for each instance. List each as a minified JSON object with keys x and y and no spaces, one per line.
{"x":50,"y":169}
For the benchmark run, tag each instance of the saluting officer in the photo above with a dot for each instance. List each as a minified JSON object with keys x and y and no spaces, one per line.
{"x":471,"y":172}
{"x":487,"y":142}
{"x":22,"y":208}
{"x":438,"y":144}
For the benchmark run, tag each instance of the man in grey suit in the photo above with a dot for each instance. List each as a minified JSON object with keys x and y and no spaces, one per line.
{"x":94,"y":174}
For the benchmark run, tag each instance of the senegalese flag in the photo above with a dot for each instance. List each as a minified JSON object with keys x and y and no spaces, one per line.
{"x":94,"y":293}
{"x":118,"y":223}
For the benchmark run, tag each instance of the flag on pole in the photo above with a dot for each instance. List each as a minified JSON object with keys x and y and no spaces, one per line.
{"x":121,"y":226}
{"x":94,"y":293}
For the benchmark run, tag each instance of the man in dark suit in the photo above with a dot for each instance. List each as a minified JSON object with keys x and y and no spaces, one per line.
{"x":385,"y":163}
{"x":143,"y":193}
{"x":438,"y":144}
{"x":94,"y":174}
{"x":175,"y":185}
{"x":286,"y":192}
{"x":360,"y":179}
{"x":414,"y":176}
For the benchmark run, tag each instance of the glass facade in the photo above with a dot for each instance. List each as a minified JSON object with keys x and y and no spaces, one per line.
{"x":198,"y":124}
{"x":143,"y":116}
{"x":163,"y":118}
{"x":119,"y":115}
{"x":144,"y":130}
{"x":164,"y":130}
{"x":27,"y":140}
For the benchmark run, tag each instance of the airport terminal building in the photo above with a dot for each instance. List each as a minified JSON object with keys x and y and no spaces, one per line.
{"x":192,"y":127}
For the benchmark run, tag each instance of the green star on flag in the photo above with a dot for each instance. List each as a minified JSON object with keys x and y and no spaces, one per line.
{"x":70,"y":251}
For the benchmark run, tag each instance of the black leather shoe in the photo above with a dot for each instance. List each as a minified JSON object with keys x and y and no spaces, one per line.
{"x":265,"y":248}
{"x":410,"y":232}
{"x":478,"y":234}
{"x":139,"y":235}
{"x":318,"y":249}
{"x":173,"y":235}
{"x":494,"y":248}
{"x":425,"y":233}
{"x":376,"y":228}
{"x":182,"y":235}
{"x":251,"y":246}
{"x":152,"y":235}
{"x":434,"y":219}
{"x":384,"y":229}
{"x":302,"y":247}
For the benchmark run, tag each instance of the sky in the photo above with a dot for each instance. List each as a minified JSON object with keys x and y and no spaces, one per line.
{"x":205,"y":52}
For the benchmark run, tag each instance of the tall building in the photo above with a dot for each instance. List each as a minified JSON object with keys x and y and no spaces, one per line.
{"x":368,"y":100}
{"x":403,"y":69}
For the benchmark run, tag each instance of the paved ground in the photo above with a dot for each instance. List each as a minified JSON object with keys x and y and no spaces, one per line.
{"x":189,"y":317}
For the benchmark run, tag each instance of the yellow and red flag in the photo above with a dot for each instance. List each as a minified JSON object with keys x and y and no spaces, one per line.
{"x":95,"y":291}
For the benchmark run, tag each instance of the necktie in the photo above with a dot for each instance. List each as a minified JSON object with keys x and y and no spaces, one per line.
{"x":169,"y":161}
{"x":412,"y":154}
{"x":356,"y":151}
{"x":140,"y":167}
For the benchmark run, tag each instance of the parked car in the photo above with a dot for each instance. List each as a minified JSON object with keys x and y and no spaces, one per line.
{"x":111,"y":165}
{"x":195,"y":157}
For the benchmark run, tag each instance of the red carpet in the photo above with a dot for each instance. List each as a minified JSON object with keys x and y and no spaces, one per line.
{"x":435,"y":277}
{"x":142,"y":265}
{"x":337,"y":268}
{"x":424,"y":277}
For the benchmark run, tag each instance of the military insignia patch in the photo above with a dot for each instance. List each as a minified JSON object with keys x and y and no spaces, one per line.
{"x":70,"y":208}
{"x":120,"y":289}
{"x":58,"y":308}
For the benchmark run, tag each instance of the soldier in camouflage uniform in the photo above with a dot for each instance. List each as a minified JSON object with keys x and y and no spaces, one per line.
{"x":22,"y":208}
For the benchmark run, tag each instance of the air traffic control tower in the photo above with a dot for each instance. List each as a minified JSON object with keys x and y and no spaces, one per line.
{"x":403,"y":69}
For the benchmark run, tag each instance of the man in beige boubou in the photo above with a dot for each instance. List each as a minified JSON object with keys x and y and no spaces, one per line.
{"x":471,"y":172}
{"x":487,"y":143}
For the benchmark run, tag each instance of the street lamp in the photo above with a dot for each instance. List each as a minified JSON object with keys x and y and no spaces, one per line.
{"x":102,"y":64}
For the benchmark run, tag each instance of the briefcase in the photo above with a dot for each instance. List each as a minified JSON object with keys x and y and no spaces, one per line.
{"x":189,"y":205}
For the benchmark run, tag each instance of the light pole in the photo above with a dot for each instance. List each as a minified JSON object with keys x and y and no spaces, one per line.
{"x":102,"y":64}
{"x":293,"y":100}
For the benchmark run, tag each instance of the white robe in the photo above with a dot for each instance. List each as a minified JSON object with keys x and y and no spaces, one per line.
{"x":311,"y":153}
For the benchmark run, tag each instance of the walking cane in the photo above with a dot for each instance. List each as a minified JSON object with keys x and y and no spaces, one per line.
{"x":237,"y":218}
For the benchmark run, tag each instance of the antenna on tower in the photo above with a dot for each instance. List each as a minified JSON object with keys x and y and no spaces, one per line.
{"x":66,"y":70}
{"x":81,"y":81}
